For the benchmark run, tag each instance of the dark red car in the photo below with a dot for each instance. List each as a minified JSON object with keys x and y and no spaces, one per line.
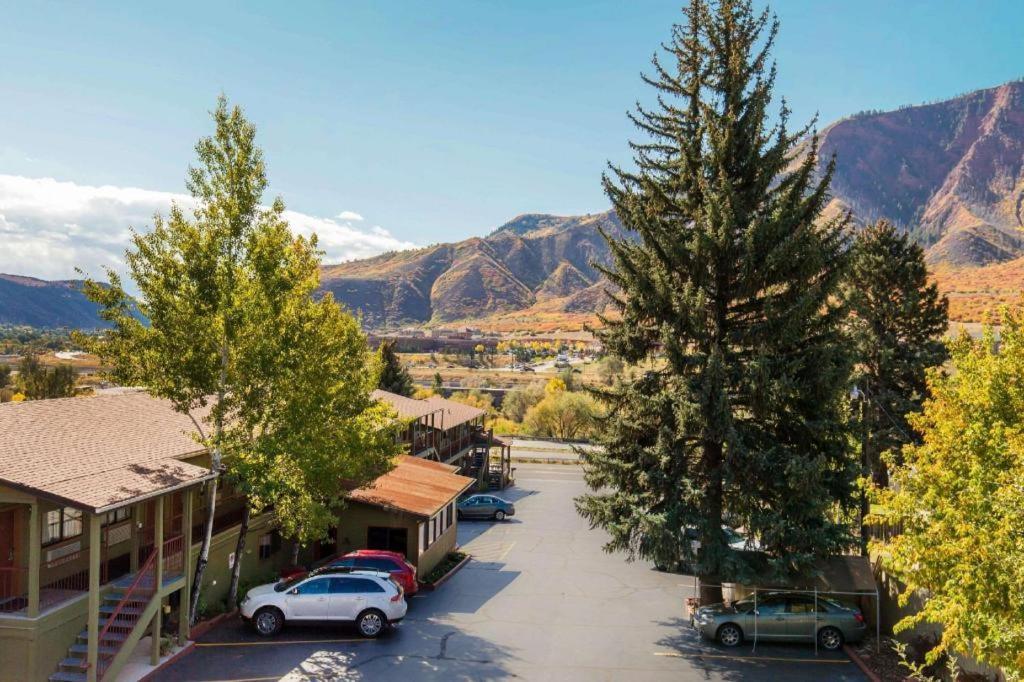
{"x":381,"y":560}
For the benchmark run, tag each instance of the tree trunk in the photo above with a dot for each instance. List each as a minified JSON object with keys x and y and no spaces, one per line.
{"x":204,"y":550}
{"x":295,"y":553}
{"x":710,"y":578}
{"x":239,"y":553}
{"x":211,"y":493}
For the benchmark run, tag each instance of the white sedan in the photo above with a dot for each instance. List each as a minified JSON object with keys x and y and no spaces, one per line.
{"x":372,"y":600}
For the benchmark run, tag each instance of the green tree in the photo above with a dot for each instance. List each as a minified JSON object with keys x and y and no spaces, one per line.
{"x":958,"y":496}
{"x":609,"y":368}
{"x":898,"y":319}
{"x":520,"y":399}
{"x":438,"y":386}
{"x":562,"y":414}
{"x":5,"y":375}
{"x":38,"y":382}
{"x":233,"y":331}
{"x":394,"y":376}
{"x":734,"y":280}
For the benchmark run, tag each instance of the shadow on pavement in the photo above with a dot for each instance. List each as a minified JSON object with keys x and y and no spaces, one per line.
{"x":301,"y":653}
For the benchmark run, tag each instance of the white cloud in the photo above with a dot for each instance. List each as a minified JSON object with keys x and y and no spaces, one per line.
{"x":349,"y":215}
{"x":49,"y":227}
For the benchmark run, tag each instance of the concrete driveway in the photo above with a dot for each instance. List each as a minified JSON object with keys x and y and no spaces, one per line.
{"x":540,"y":601}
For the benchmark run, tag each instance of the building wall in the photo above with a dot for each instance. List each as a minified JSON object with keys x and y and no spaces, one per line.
{"x":445,"y":543}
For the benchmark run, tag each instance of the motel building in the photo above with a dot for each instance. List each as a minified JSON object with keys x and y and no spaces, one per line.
{"x":102,"y":505}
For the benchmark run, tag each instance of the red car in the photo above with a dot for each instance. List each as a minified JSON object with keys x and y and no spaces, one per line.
{"x":381,"y":560}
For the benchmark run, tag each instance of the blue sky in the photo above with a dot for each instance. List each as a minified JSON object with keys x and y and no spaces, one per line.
{"x":433,"y":121}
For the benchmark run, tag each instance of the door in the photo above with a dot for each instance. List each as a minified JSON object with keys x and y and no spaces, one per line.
{"x":348,"y":597}
{"x":800,"y":621}
{"x":487,"y":507}
{"x":9,"y":575}
{"x":771,"y":618}
{"x":311,"y":601}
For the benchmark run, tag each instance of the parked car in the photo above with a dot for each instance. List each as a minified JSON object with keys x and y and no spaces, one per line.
{"x":781,"y":617}
{"x":372,"y":600}
{"x":382,"y":560}
{"x":485,"y":507}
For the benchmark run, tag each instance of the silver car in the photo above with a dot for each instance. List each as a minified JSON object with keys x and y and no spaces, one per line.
{"x":781,"y":617}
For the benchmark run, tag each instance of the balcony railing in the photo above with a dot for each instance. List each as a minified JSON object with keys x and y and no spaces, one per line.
{"x":174,"y":556}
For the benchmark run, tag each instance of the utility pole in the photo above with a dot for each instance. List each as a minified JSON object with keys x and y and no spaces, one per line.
{"x":865,"y":466}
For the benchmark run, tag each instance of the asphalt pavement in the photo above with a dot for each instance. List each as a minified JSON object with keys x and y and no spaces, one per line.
{"x":541,"y":600}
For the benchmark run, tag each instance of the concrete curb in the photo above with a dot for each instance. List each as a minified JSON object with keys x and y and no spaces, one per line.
{"x":187,"y":649}
{"x":855,"y":657}
{"x":202,"y":627}
{"x":430,"y":587}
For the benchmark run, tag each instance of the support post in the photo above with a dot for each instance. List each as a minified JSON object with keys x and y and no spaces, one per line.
{"x":815,"y":621}
{"x":158,"y":577}
{"x":184,"y":617}
{"x":34,"y":549}
{"x":93,"y":619}
{"x":133,"y":558}
{"x":755,"y":619}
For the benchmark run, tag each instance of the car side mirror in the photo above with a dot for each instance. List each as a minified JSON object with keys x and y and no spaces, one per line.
{"x":294,"y":590}
{"x":756,"y":612}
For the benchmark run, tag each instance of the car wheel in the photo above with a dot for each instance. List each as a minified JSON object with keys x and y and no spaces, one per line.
{"x":830,"y":639}
{"x":268,"y":621}
{"x":371,"y":623}
{"x":730,"y":635}
{"x":499,"y":515}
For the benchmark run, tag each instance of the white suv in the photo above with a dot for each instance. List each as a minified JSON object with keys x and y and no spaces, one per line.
{"x":370,"y":599}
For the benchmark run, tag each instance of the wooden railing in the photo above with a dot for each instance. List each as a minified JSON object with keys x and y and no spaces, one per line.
{"x":174,"y":556}
{"x":122,"y":621}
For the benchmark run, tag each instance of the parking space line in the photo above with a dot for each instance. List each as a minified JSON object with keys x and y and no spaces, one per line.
{"x":779,"y":659}
{"x":278,"y":642}
{"x":507,"y":550}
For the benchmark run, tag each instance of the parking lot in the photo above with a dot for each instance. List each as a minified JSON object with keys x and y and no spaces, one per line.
{"x":540,"y":601}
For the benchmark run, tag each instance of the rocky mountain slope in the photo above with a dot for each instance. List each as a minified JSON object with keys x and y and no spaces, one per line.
{"x":950,"y":172}
{"x":531,"y":260}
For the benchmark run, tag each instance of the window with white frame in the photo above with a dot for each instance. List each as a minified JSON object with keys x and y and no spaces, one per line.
{"x":62,"y":524}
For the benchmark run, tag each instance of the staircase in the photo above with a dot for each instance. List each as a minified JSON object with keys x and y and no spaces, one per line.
{"x":125,"y":612}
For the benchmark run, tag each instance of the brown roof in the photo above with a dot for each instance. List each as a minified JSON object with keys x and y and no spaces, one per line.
{"x":407,"y":408}
{"x":97,"y":452}
{"x":453,"y":413}
{"x":417,"y":486}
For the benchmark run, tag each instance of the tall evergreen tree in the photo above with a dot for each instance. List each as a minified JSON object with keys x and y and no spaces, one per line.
{"x":734,"y":280}
{"x":394,"y":375}
{"x":898,"y":319}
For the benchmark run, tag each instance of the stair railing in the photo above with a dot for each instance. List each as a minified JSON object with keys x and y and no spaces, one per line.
{"x":140,"y":590}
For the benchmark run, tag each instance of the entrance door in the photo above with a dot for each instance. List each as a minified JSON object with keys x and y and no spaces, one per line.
{"x":10,"y":580}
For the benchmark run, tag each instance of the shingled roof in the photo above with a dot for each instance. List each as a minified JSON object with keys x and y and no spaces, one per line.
{"x":417,"y":486}
{"x":451,"y":413}
{"x":97,"y":452}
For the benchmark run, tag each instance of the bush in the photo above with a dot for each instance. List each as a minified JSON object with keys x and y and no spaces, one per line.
{"x":564,"y":414}
{"x":520,"y":399}
{"x":450,"y":561}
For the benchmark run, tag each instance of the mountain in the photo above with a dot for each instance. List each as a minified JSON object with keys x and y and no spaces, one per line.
{"x":38,"y":303}
{"x":535,"y":262}
{"x":950,"y":172}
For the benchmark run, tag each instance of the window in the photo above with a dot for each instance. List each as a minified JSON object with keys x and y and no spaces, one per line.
{"x":266,"y":547}
{"x":315,"y":586}
{"x":805,"y":605}
{"x":425,"y":542}
{"x":117,"y":516}
{"x":354,"y":586}
{"x":451,"y":514}
{"x":62,"y":524}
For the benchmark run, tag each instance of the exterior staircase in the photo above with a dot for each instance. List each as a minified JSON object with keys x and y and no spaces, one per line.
{"x":125,"y":613}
